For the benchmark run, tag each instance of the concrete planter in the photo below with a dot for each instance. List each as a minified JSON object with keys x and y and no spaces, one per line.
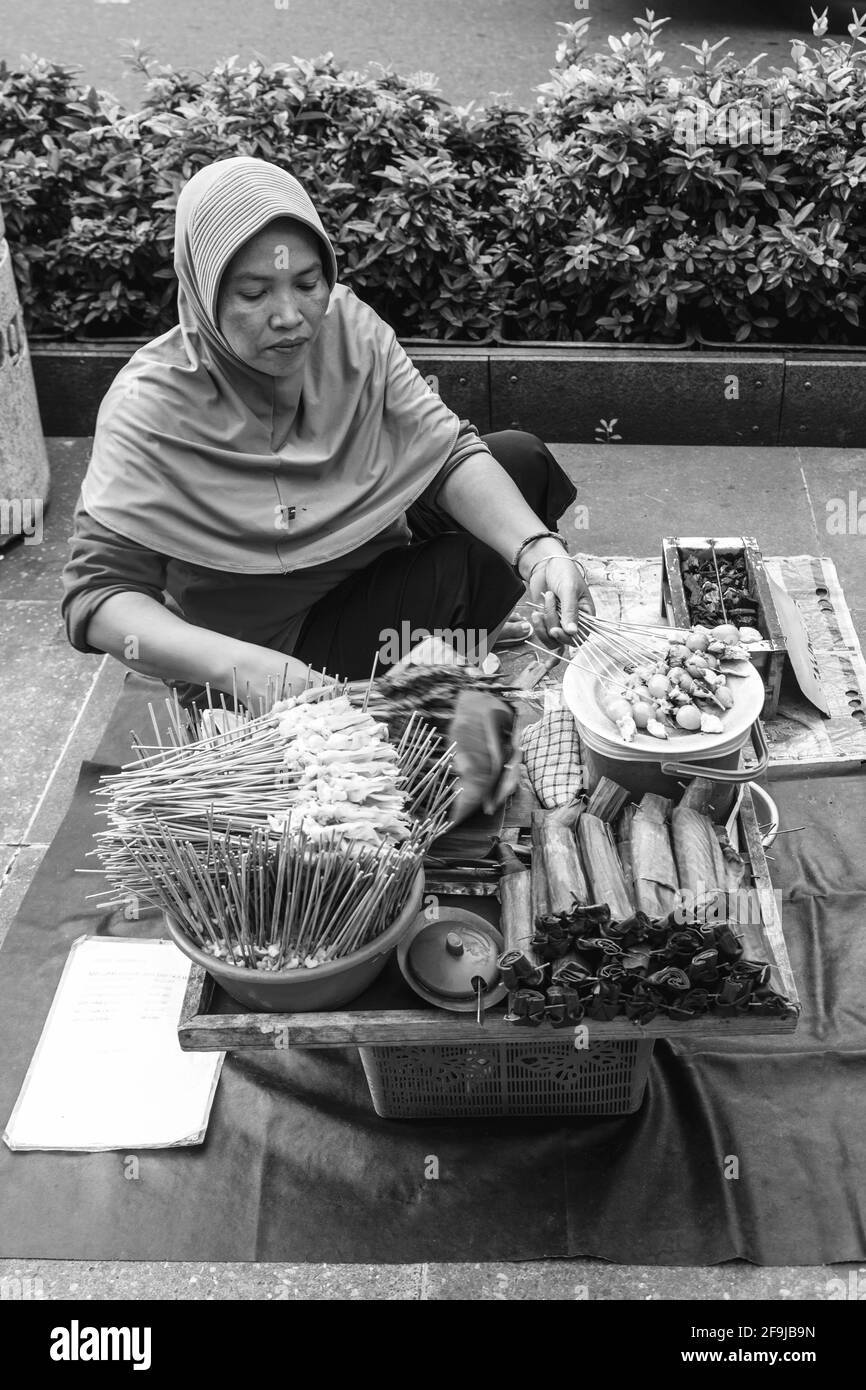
{"x":24,"y":476}
{"x":657,"y":394}
{"x":823,"y":401}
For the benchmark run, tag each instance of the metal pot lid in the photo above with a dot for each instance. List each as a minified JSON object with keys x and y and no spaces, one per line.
{"x":449,"y":955}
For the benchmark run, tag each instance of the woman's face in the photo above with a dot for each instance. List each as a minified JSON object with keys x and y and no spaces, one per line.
{"x":273,"y":296}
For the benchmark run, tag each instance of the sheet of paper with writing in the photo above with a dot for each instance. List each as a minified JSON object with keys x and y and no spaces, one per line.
{"x":108,"y":1072}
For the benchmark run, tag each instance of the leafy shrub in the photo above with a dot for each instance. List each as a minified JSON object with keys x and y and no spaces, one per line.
{"x":595,"y":215}
{"x":743,"y":242}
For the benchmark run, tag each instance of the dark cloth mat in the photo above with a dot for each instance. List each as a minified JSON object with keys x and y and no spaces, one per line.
{"x":296,"y":1165}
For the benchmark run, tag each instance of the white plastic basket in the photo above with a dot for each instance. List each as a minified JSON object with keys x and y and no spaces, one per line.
{"x":525,"y":1077}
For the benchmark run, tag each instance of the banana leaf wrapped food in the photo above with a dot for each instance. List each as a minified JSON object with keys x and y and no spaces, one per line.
{"x":567,"y":887}
{"x":699,"y":859}
{"x":656,"y":882}
{"x":607,"y":800}
{"x":519,"y":965}
{"x":604,"y":870}
{"x":539,"y":895}
{"x":735,"y":866}
{"x":562,"y":895}
{"x":622,"y":834}
{"x":698,"y":794}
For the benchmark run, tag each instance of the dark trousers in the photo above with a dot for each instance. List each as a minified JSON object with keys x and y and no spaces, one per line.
{"x":445,"y":581}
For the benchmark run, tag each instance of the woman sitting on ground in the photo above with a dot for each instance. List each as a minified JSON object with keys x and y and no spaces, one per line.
{"x":273,"y":486}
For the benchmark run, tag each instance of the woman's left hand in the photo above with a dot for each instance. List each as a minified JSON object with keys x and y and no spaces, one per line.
{"x":559,"y":588}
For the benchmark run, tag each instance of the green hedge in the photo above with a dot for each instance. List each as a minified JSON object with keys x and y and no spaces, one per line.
{"x":595,"y":215}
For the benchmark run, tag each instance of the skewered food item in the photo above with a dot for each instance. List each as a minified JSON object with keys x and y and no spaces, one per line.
{"x":346,"y":773}
{"x":677,"y":687}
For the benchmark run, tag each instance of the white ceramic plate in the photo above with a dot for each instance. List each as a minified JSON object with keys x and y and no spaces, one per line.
{"x":582,"y":692}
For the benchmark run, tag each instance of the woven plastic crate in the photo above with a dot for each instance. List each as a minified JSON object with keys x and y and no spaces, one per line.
{"x":525,"y":1077}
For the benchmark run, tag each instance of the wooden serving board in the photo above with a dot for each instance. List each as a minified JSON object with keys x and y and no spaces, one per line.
{"x":205,"y":1026}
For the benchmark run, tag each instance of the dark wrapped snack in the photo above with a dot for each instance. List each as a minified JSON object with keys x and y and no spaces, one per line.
{"x":519,"y":972}
{"x":598,"y":948}
{"x":590,"y":915}
{"x":767,"y":1001}
{"x":681,"y":947}
{"x":657,"y":933}
{"x":606,"y":996}
{"x":570,"y":974}
{"x":704,"y":967}
{"x":727,"y":944}
{"x":669,"y":983}
{"x":637,"y":959}
{"x":572,"y":969}
{"x":526,"y":1008}
{"x":697,"y":1002}
{"x":733,"y":996}
{"x":552,"y":938}
{"x":564,"y":1006}
{"x":758,"y":971}
{"x":744,"y":977}
{"x":632,"y":929}
{"x":639,"y":1006}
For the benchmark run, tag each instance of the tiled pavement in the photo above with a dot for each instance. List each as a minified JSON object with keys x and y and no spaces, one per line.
{"x":56,"y":703}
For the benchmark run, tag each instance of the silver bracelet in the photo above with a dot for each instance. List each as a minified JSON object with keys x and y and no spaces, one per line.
{"x":547,"y":560}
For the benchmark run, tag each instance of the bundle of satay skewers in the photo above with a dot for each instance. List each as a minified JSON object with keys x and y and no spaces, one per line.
{"x":661,"y":682}
{"x":280,"y":840}
{"x":628,"y":910}
{"x":667,"y":684}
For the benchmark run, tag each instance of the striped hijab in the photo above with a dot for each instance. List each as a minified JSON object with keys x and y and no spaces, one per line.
{"x":201,"y":457}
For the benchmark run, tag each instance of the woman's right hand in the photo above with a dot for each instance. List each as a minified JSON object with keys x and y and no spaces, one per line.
{"x":147,"y":637}
{"x":262,"y":676}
